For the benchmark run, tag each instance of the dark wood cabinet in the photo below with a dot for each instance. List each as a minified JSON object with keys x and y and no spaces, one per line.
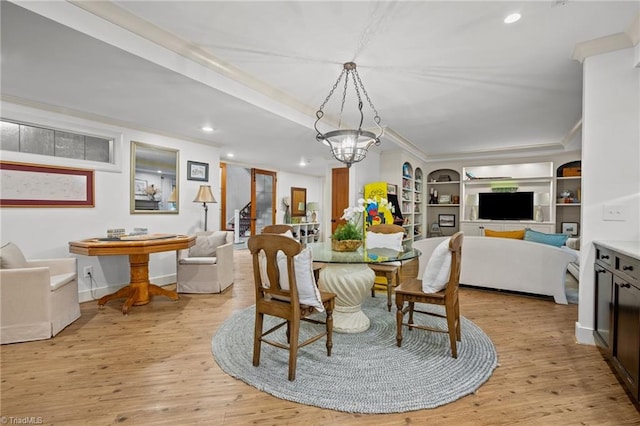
{"x":617,"y":313}
{"x":604,"y":306}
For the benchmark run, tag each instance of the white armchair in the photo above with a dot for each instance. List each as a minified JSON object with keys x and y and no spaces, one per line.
{"x":207,"y":267}
{"x":38,"y":297}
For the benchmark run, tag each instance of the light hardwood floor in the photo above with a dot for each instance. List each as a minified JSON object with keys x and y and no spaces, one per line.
{"x":155,"y":367}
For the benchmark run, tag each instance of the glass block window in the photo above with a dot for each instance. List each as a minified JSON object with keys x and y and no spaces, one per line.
{"x":33,"y":139}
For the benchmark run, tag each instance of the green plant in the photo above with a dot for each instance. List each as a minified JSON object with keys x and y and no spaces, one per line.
{"x":347,"y":231}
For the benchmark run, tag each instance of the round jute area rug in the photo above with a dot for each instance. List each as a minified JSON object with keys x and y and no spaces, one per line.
{"x":366,"y":372}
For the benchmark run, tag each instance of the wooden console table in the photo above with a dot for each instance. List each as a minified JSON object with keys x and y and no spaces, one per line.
{"x":140,"y":290}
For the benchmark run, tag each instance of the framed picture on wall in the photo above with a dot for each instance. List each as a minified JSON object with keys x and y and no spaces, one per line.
{"x":197,"y":171}
{"x":570,"y":228}
{"x":447,"y":220}
{"x":141,"y":187}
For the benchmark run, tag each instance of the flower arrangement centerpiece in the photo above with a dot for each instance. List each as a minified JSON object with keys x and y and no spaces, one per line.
{"x":348,"y":236}
{"x":151,"y":192}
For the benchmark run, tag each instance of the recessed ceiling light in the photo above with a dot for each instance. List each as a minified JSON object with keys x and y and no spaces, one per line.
{"x":230,"y":155}
{"x":514,"y":17}
{"x":207,"y":129}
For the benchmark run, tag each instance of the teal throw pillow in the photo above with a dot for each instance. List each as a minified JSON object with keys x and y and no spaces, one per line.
{"x":556,"y":240}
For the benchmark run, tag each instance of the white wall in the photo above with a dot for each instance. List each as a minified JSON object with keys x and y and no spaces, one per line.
{"x":45,"y":232}
{"x":315,"y":192}
{"x":610,"y":164}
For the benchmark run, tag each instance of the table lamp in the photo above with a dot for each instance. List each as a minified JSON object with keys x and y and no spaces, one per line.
{"x":540,"y":199}
{"x":472,"y":200}
{"x":313,"y":207}
{"x":205,"y":196}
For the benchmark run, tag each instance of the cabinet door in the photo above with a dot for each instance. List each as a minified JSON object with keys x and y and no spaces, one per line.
{"x":472,"y":229}
{"x":626,"y":352}
{"x":604,"y":306}
{"x":547,"y":229}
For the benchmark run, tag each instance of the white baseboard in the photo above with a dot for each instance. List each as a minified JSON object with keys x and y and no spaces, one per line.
{"x":584,"y":335}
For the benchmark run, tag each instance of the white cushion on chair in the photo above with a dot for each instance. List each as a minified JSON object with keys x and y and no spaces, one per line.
{"x":11,"y":257}
{"x":438,"y":269}
{"x":389,"y":241}
{"x":308,"y":293}
{"x":206,"y":245}
{"x":198,"y":261}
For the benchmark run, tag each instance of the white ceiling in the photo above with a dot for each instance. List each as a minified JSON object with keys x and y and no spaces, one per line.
{"x":449,"y":79}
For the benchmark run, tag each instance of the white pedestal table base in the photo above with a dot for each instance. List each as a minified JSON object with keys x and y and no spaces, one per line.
{"x":351,"y":283}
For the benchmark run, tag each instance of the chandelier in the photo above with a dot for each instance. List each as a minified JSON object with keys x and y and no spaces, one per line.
{"x":349,"y":145}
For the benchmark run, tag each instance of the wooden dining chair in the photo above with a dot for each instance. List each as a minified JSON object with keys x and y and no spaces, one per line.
{"x":291,"y":294}
{"x":411,"y":291}
{"x":281,"y":229}
{"x":386,"y":270}
{"x":277,"y":229}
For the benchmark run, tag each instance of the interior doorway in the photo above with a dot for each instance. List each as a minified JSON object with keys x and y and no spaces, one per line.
{"x":263,"y":199}
{"x":339,"y":195}
{"x":247,"y":199}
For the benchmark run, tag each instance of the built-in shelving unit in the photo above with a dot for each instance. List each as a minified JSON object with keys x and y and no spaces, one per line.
{"x":443,"y":202}
{"x":530,"y":177}
{"x":306,"y":233}
{"x":407,"y":172}
{"x":411,"y":201}
{"x":568,"y":194}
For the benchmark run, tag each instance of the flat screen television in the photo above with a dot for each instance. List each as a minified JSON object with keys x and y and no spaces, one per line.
{"x":505,"y":205}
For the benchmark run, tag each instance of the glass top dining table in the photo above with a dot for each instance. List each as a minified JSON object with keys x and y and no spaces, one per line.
{"x":348,"y":275}
{"x":322,"y":252}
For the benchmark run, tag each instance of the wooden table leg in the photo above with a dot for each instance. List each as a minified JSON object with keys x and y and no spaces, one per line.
{"x":139,"y":290}
{"x":155,"y":290}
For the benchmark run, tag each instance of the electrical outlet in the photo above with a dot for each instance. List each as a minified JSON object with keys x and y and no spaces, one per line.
{"x":88,"y":271}
{"x":614,"y":213}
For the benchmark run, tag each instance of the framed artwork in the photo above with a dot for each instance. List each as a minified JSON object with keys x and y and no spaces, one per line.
{"x":140,"y":187}
{"x":36,"y":185}
{"x":447,"y":220}
{"x":444,"y":199}
{"x":570,"y":228}
{"x":197,"y":171}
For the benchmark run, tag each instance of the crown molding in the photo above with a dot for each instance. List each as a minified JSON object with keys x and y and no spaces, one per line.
{"x":601,"y":45}
{"x":610,"y":43}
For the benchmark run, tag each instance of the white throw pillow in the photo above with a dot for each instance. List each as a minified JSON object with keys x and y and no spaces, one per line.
{"x":308,"y":293}
{"x":262,"y":261}
{"x":389,"y":241}
{"x":11,"y":257}
{"x":436,"y":273}
{"x":206,"y":245}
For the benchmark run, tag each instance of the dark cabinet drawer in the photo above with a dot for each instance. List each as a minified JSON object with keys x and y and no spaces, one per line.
{"x":628,"y":267}
{"x":604,"y":256}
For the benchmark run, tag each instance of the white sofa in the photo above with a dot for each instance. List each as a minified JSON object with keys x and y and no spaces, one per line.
{"x":508,"y":264}
{"x":208,"y":266}
{"x":38,"y":298}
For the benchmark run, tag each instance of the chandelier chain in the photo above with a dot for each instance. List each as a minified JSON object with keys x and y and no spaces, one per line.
{"x":366,"y":95}
{"x":335,"y":85}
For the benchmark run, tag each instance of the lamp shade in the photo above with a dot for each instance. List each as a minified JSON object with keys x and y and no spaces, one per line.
{"x":541,"y":198}
{"x":472,"y":199}
{"x":313,"y":206}
{"x":205,"y":195}
{"x":173,"y":198}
